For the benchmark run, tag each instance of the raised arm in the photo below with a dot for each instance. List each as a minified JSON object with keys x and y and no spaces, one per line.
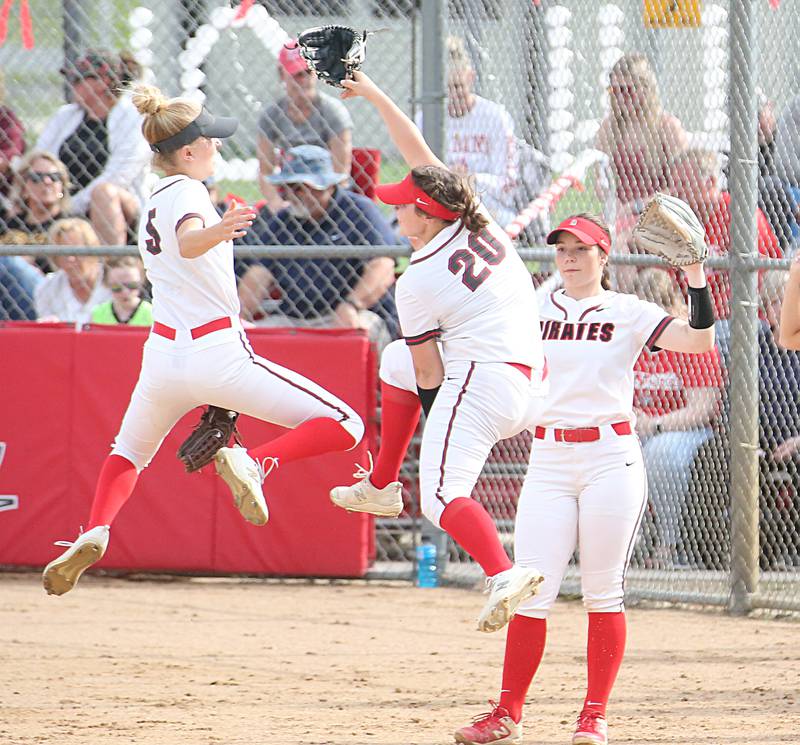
{"x":698,"y":334}
{"x":404,"y":133}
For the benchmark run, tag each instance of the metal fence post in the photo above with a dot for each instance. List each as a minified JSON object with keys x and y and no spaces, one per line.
{"x":744,"y":309}
{"x":433,"y":74}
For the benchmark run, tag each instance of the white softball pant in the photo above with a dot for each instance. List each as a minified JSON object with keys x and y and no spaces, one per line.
{"x":585,"y":495}
{"x":220,"y":369}
{"x":478,"y":404}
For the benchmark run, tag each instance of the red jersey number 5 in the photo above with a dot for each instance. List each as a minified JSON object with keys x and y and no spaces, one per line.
{"x":483,"y":245}
{"x":153,"y":243}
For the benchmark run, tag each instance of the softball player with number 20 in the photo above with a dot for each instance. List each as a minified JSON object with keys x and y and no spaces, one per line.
{"x":467,"y":289}
{"x":586,"y":485}
{"x":197,"y":352}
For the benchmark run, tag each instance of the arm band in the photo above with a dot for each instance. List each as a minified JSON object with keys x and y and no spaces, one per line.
{"x":426,"y":397}
{"x":701,"y":308}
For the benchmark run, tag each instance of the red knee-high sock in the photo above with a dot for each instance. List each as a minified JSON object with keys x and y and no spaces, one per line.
{"x":399,"y":417}
{"x":474,"y":530}
{"x":314,"y":437}
{"x":114,"y":485}
{"x":524,"y":650}
{"x":604,"y":651}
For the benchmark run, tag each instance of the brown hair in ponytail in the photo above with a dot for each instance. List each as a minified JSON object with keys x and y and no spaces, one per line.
{"x":451,"y":191}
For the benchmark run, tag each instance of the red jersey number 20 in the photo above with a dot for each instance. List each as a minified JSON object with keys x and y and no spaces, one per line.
{"x":483,"y":245}
{"x":153,"y":243}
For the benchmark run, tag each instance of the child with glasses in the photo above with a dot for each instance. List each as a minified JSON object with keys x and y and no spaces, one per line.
{"x":124,"y":276}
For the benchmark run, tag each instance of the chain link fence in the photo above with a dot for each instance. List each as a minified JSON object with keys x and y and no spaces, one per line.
{"x":556,"y":108}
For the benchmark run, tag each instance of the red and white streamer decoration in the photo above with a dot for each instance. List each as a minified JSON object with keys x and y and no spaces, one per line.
{"x":572,"y":177}
{"x":25,"y":23}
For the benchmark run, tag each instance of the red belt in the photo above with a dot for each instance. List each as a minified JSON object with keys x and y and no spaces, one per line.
{"x":584,"y":434}
{"x":524,"y":369}
{"x":207,"y":328}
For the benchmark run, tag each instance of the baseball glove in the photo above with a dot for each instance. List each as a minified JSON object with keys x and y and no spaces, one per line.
{"x":213,"y":431}
{"x":333,"y":52}
{"x":668,"y":228}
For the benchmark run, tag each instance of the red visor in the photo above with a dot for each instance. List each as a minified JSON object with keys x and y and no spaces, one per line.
{"x":584,"y":230}
{"x":407,"y":192}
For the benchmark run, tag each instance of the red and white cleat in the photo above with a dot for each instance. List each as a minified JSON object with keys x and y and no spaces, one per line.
{"x":495,"y":727}
{"x":590,"y":729}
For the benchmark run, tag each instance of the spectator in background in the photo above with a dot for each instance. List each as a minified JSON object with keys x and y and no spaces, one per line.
{"x":12,"y":141}
{"x":787,"y":143}
{"x":639,"y":137}
{"x":41,"y":196}
{"x":76,"y":287}
{"x":346,"y":292}
{"x":775,"y":199}
{"x":779,"y":433}
{"x":18,"y":281}
{"x":677,"y":399}
{"x":99,"y":139}
{"x":304,"y":116}
{"x":479,"y":137}
{"x":124,"y":276}
{"x":694,"y":176}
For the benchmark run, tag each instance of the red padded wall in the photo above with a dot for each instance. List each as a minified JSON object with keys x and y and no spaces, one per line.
{"x":63,"y":393}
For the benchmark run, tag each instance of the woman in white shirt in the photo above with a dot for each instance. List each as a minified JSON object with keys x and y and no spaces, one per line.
{"x":99,"y":139}
{"x":70,"y":292}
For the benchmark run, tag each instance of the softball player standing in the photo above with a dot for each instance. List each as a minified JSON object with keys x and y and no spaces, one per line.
{"x":466,"y":289}
{"x":197,"y":352}
{"x":586,"y":485}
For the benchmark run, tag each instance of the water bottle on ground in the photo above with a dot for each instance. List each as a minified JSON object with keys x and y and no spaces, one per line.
{"x":427,"y":568}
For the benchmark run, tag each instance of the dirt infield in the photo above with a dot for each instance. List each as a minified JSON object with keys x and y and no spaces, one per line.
{"x":196,"y":662}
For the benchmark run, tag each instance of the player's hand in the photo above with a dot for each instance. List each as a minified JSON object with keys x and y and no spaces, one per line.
{"x":236,"y":221}
{"x":794,"y":267}
{"x":360,"y":86}
{"x":695,"y":274}
{"x":786,"y":449}
{"x":347,"y":316}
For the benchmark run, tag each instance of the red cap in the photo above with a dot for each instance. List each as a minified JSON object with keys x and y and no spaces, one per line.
{"x":290,"y":58}
{"x":584,"y":230}
{"x":407,"y":192}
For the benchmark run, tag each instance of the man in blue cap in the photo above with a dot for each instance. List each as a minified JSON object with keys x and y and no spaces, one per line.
{"x":315,"y":292}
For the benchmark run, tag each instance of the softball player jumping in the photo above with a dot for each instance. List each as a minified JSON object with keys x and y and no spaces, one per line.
{"x":467,"y":289}
{"x":197,"y":352}
{"x":586,"y":485}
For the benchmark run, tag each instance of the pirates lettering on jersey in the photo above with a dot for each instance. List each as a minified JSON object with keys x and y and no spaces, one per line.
{"x":581,"y":331}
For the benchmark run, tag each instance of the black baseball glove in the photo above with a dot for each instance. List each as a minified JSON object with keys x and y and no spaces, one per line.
{"x":213,"y":431}
{"x":333,"y":52}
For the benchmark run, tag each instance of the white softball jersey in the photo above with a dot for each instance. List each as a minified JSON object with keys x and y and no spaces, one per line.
{"x":186,"y":292}
{"x":473,"y":293}
{"x":591,"y":346}
{"x":586,"y":494}
{"x":189,"y":361}
{"x":482,"y":143}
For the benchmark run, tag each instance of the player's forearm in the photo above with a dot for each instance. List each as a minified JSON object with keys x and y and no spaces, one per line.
{"x":404,"y":133}
{"x":194,"y":243}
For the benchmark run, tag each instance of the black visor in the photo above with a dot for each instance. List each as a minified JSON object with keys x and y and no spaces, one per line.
{"x":205,"y":125}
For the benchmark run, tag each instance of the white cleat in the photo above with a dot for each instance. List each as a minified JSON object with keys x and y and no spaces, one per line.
{"x":364,"y":497}
{"x":506,"y":591}
{"x":63,"y":573}
{"x":244,"y":476}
